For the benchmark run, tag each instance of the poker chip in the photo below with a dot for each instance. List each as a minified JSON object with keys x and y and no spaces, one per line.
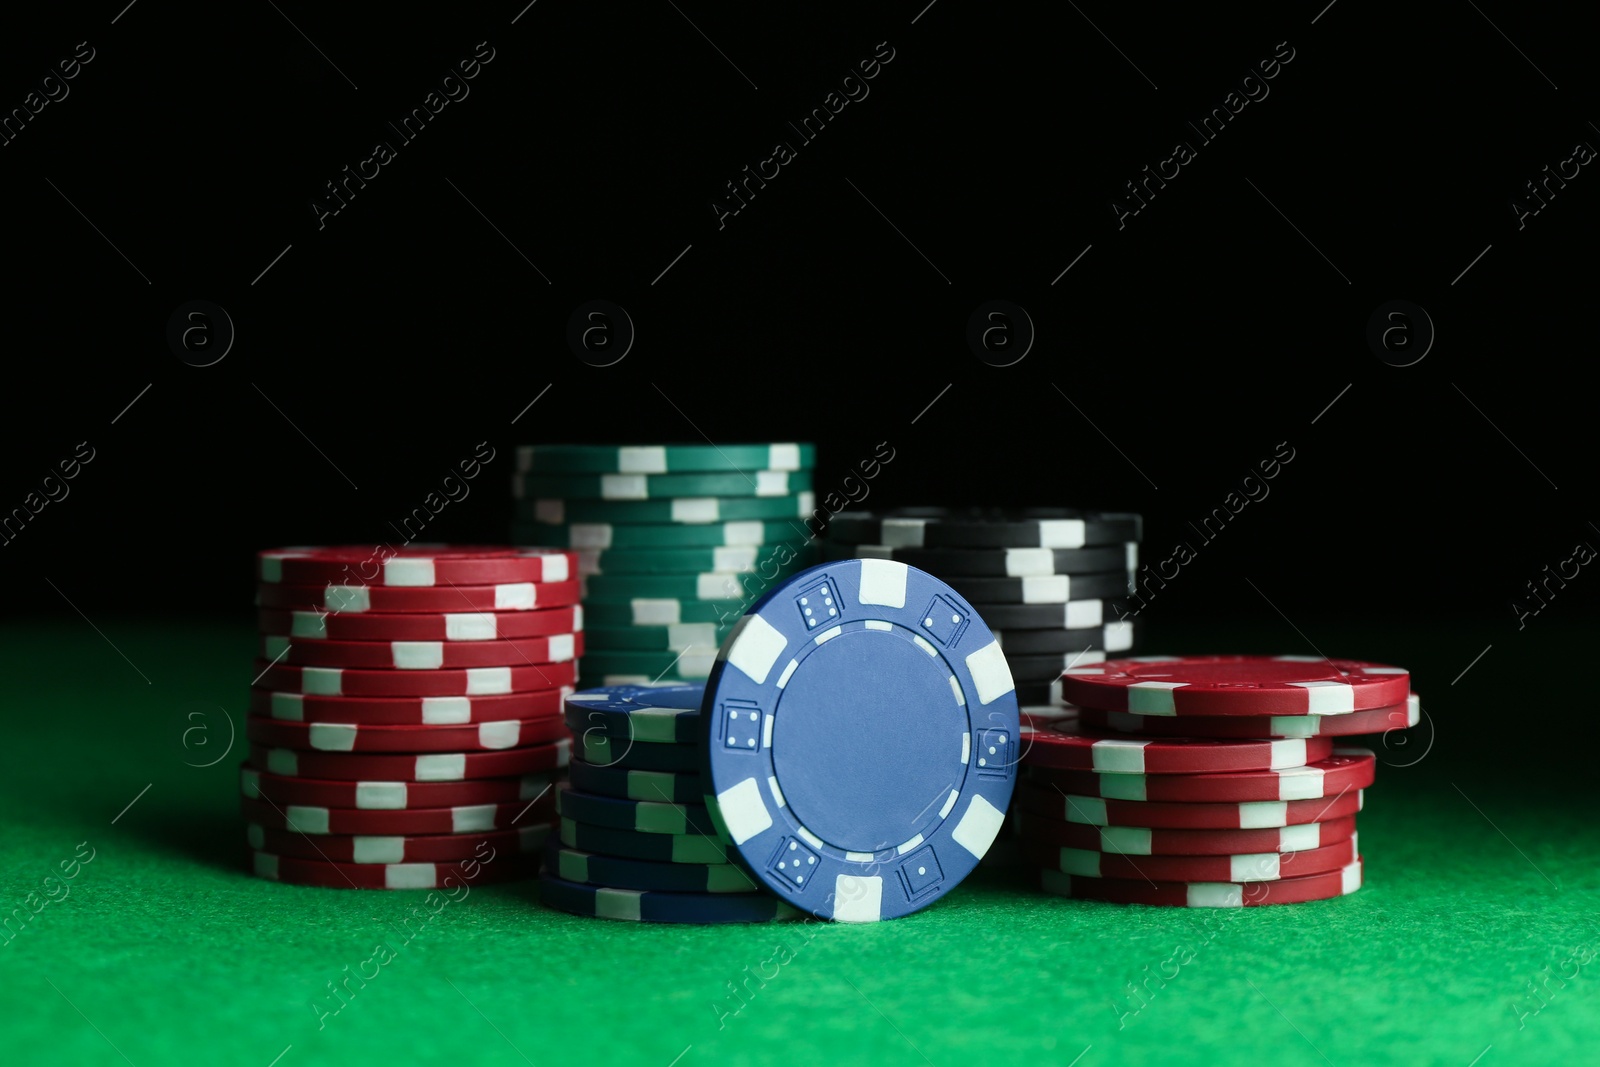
{"x":414,"y":565}
{"x":665,"y":786}
{"x":825,"y":676}
{"x":633,"y":844}
{"x":714,"y":585}
{"x":441,"y":848}
{"x":1142,"y":841}
{"x":1346,"y":770}
{"x":1243,"y":867}
{"x":1057,"y":642}
{"x":509,"y":596}
{"x":291,"y":793}
{"x":1351,"y":724}
{"x":408,"y":711}
{"x":659,"y":611}
{"x":428,"y":767}
{"x":677,"y":561}
{"x":986,"y":528}
{"x":320,"y":873}
{"x":592,"y":868}
{"x":1045,"y":589}
{"x":595,"y":747}
{"x":1297,"y":890}
{"x":689,"y":510}
{"x":421,"y":655}
{"x":998,"y":562}
{"x":1236,"y":685}
{"x":755,"y":483}
{"x":352,"y":737}
{"x":1045,"y":667}
{"x":668,"y":714}
{"x":649,"y":666}
{"x":1241,"y":815}
{"x":1067,"y":745}
{"x":588,"y":538}
{"x":1009,"y":617}
{"x":405,"y":822}
{"x":663,"y":459}
{"x":674,"y":637}
{"x":645,"y":816}
{"x":647,"y":906}
{"x":422,"y":626}
{"x":473,"y":681}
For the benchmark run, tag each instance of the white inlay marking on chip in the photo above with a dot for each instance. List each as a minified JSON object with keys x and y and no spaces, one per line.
{"x":1090,"y":811}
{"x":883,"y":581}
{"x":902,"y":533}
{"x":1153,"y":698}
{"x":515,"y":596}
{"x":470,"y":626}
{"x":978,"y":826}
{"x":949,"y":803}
{"x":1328,"y":698}
{"x":488,"y":680}
{"x":1300,"y":783}
{"x":417,"y":655}
{"x":744,"y":813}
{"x":1062,"y":533}
{"x":1118,"y":757}
{"x":332,"y":736}
{"x":642,"y":459}
{"x":857,"y":899}
{"x":754,"y":647}
{"x":441,"y":767}
{"x":414,"y":571}
{"x":1259,"y":814}
{"x":776,"y":791}
{"x":1290,"y":752}
{"x":289,"y":706}
{"x":381,"y":796}
{"x":502,"y":733}
{"x":990,"y":673}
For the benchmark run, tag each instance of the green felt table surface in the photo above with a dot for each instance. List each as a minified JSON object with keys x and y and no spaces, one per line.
{"x":1465,"y":946}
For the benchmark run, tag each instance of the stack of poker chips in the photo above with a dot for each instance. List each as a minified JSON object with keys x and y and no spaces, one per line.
{"x":1206,"y":781}
{"x":673,"y":543}
{"x":636,"y":841}
{"x":406,"y":718}
{"x":1042,"y":578}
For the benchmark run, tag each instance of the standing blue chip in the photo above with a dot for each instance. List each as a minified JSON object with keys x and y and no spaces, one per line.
{"x":861,"y":739}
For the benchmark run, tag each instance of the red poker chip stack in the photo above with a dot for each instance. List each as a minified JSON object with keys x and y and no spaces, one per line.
{"x":1205,"y":781}
{"x":405,"y":721}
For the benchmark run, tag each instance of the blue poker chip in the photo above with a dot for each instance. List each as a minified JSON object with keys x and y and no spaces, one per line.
{"x":666,"y":786}
{"x":591,"y":868}
{"x":668,"y":713}
{"x":861,"y":737}
{"x":646,"y":906}
{"x":645,"y":816}
{"x":627,"y":754}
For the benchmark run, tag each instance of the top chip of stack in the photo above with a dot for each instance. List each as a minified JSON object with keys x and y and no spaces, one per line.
{"x":673,"y":542}
{"x":1043,"y":578}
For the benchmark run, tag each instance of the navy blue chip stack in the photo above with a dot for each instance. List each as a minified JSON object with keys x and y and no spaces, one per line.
{"x":635,"y":839}
{"x":673,"y":543}
{"x":1044,"y":578}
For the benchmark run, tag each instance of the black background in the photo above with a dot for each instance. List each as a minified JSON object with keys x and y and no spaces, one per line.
{"x":1173,"y":356}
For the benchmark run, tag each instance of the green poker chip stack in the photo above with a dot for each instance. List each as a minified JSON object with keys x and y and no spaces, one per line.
{"x":674,"y":542}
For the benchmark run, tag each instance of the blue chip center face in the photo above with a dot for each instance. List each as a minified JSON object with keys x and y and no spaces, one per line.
{"x":861,"y":732}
